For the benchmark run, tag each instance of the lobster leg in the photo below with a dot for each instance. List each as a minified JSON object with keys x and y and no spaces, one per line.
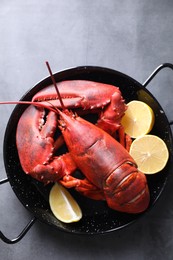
{"x":85,"y":187}
{"x":124,"y":139}
{"x":59,"y":142}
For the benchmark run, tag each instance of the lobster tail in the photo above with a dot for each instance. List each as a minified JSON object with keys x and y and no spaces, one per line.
{"x":126,"y":190}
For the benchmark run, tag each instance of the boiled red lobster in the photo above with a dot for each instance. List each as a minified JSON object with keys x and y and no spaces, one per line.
{"x":109,"y":171}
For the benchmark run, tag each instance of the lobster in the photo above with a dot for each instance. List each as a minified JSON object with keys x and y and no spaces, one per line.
{"x":110,"y":173}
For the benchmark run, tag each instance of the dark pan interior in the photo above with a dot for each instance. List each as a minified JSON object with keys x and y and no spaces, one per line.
{"x":97,"y":217}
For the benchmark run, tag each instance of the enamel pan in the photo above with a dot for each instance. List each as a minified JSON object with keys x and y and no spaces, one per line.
{"x":97,"y":217}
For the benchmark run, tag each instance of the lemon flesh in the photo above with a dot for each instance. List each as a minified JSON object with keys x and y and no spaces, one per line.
{"x":150,"y":153}
{"x":63,"y":205}
{"x":138,"y":119}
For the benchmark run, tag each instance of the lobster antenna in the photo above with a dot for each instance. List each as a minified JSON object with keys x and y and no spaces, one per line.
{"x":54,"y":82}
{"x":36,"y":104}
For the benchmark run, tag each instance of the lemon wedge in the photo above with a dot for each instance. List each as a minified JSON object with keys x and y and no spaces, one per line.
{"x":150,"y":153}
{"x":63,"y":205}
{"x":138,"y":119}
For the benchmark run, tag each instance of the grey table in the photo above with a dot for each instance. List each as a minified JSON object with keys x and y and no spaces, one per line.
{"x":130,"y":36}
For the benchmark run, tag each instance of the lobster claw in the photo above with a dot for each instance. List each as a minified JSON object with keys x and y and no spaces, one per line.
{"x":36,"y":145}
{"x":34,"y":137}
{"x":83,"y":95}
{"x":111,"y":116}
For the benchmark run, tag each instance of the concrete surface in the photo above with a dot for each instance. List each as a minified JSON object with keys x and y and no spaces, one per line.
{"x":133,"y":37}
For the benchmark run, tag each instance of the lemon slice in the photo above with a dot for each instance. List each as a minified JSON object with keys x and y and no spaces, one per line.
{"x":138,"y":119}
{"x":150,"y":153}
{"x":63,"y":205}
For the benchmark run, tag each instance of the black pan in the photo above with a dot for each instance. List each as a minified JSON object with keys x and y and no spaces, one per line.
{"x":97,"y":217}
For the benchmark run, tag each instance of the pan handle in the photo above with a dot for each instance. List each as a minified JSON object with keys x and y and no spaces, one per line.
{"x":153,"y":74}
{"x":24,"y":231}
